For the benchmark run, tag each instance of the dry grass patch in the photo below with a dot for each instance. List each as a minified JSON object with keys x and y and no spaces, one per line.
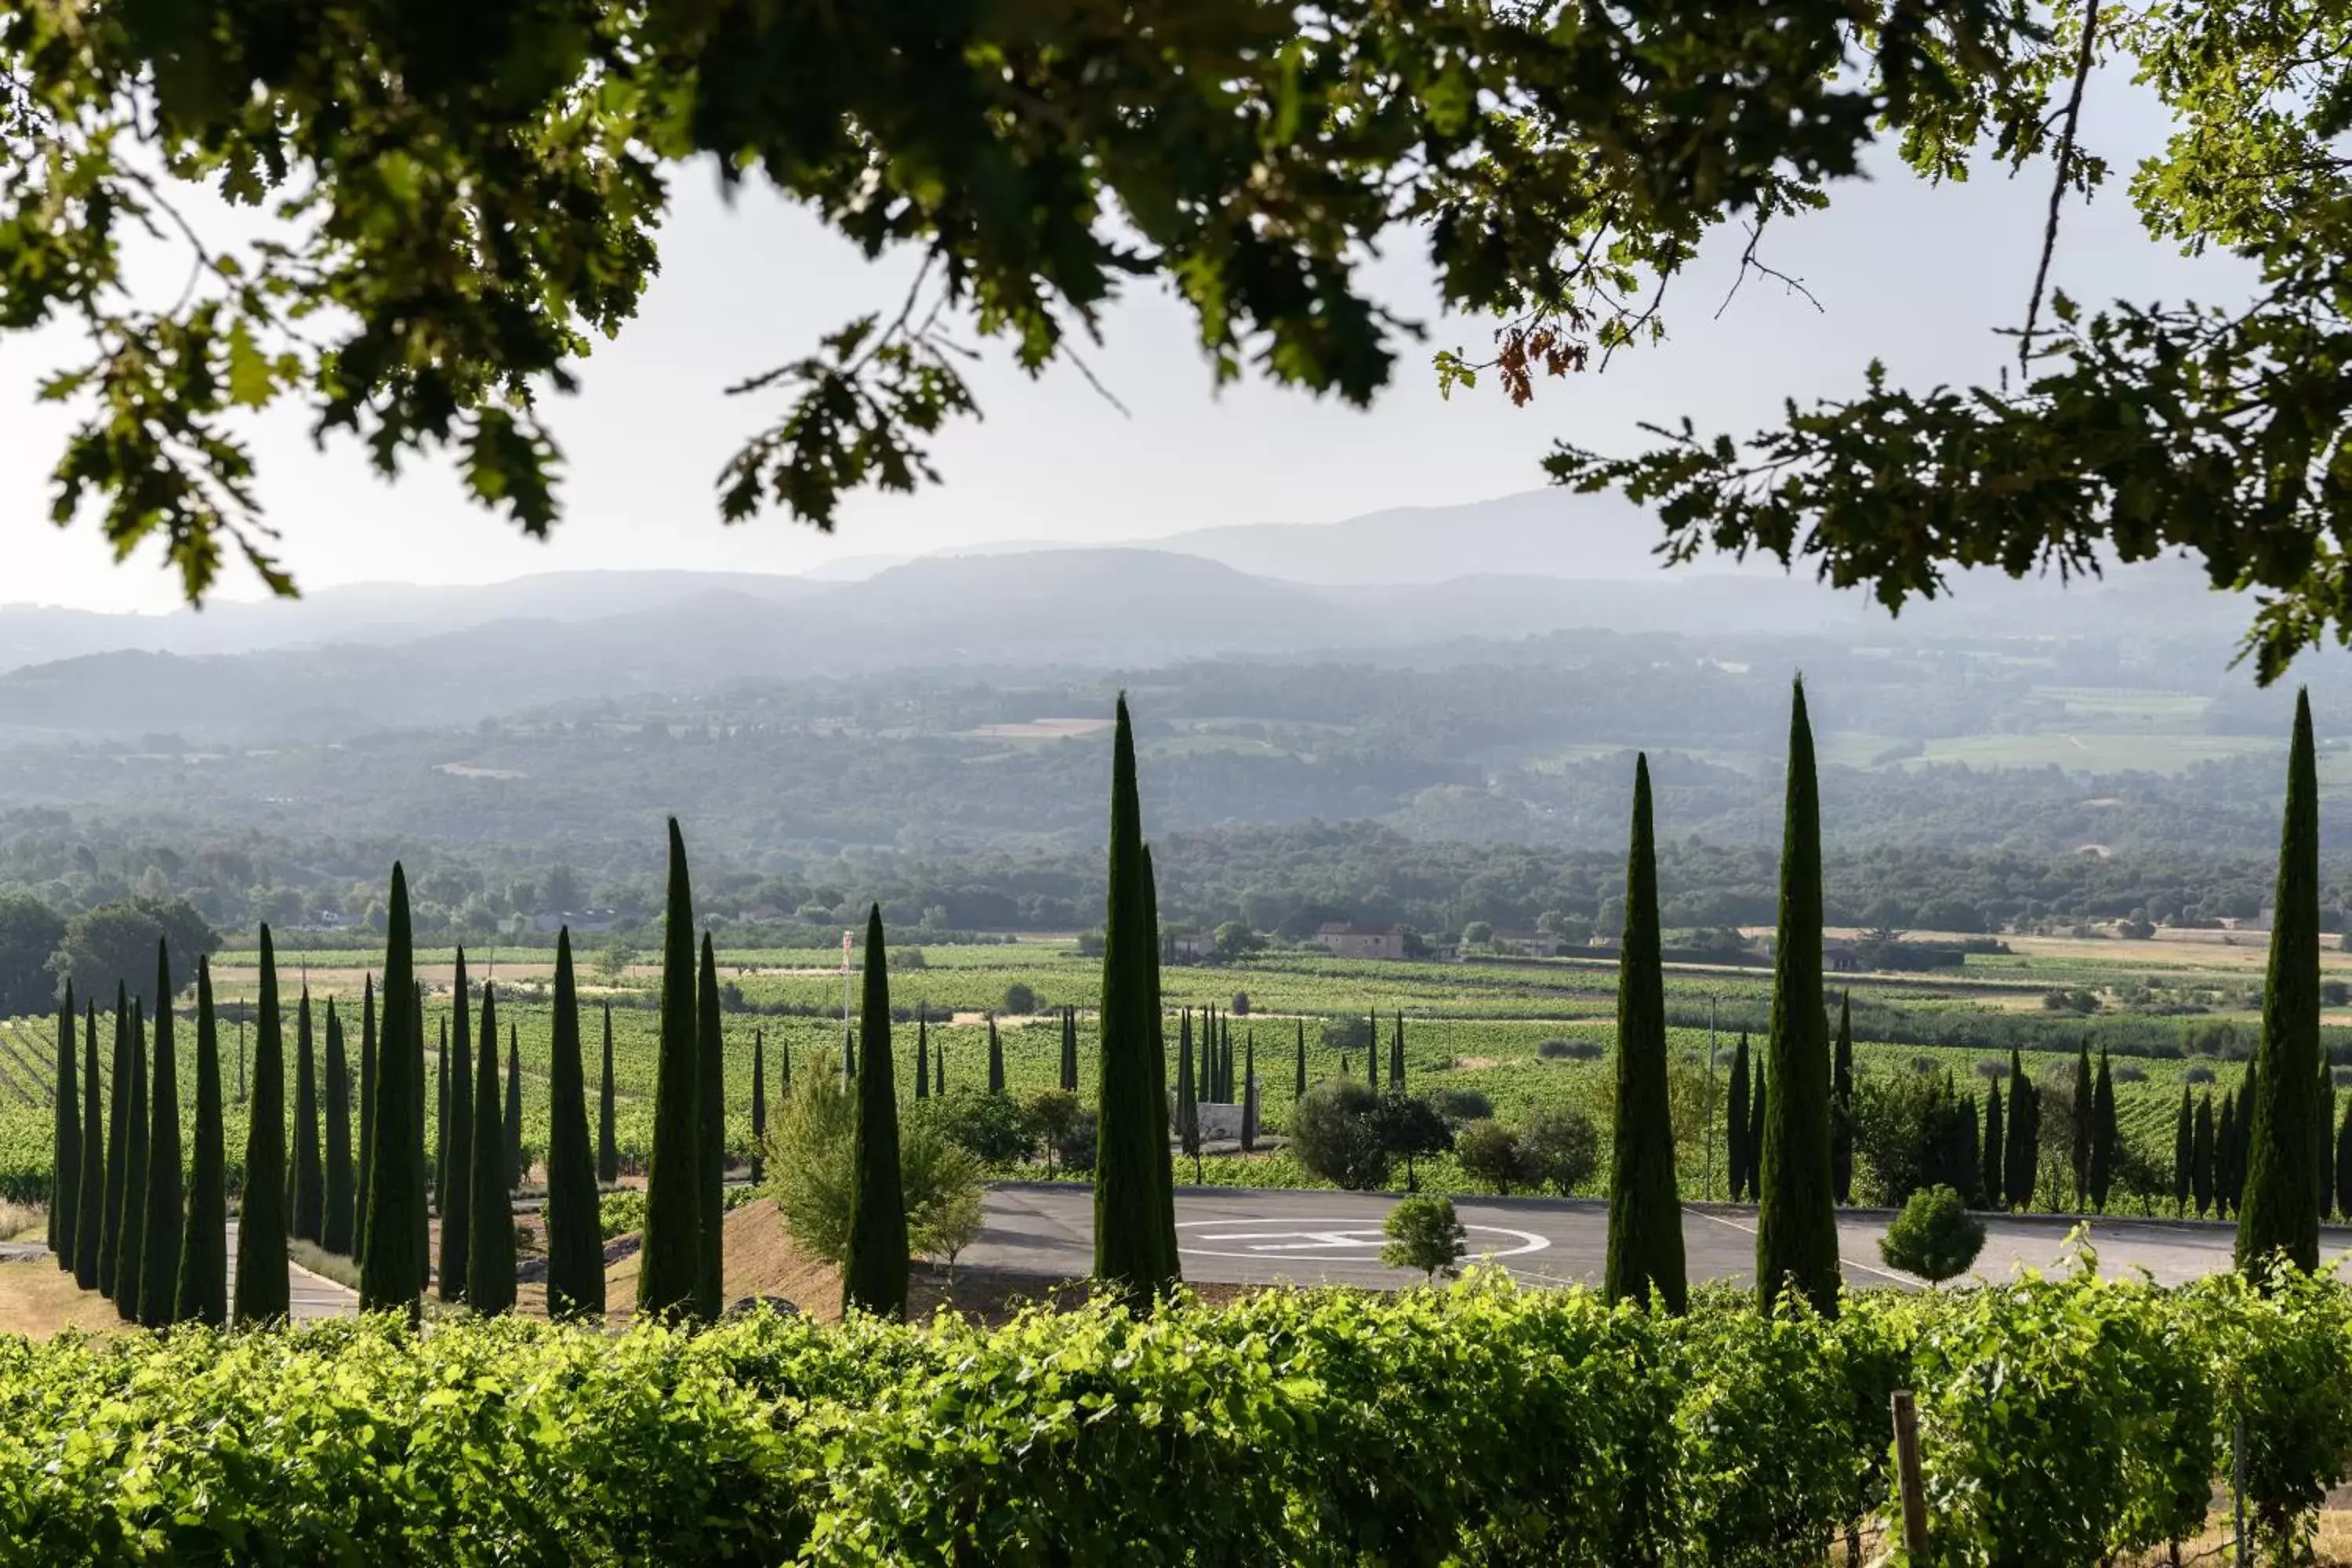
{"x":38,"y":1300}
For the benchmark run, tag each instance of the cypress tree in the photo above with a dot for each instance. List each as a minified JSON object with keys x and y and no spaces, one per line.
{"x":608,"y":1149}
{"x":420,"y":1195}
{"x":454,"y":1182}
{"x":201,"y":1293}
{"x":922,"y":1053}
{"x":2323,"y":1126}
{"x":2184,"y":1153}
{"x":1070,"y":1050}
{"x":2343,"y":1164}
{"x":65,"y":1171}
{"x":673,"y":1212}
{"x":1396,"y":1052}
{"x":873,"y":1274}
{"x":89,"y":1226}
{"x":2082,"y":1115}
{"x":309,"y":1214}
{"x":575,"y":1244}
{"x":2225,"y":1157}
{"x":1134,"y":1197}
{"x":1205,"y":1077}
{"x":335,"y":1226}
{"x":939,"y":1071}
{"x":118,"y":1152}
{"x":1646,"y":1217}
{"x":137,"y":1149}
{"x":2103,"y":1136}
{"x":2200,"y":1155}
{"x":1756,"y":1135}
{"x":995,"y":1058}
{"x":1989,"y":1173}
{"x":518,"y":1169}
{"x":711,"y":1263}
{"x":441,"y":1123}
{"x":490,"y":1238}
{"x":1372,"y":1054}
{"x":1737,"y":1157}
{"x":785,"y":1066}
{"x":760,"y":1104}
{"x":2020,"y":1156}
{"x":1965,"y":1158}
{"x":263,"y":1290}
{"x":159,"y":1270}
{"x":1842,"y":1104}
{"x":367,"y":1113}
{"x":1796,"y":1228}
{"x":1188,"y":1107}
{"x":1249,"y":1092}
{"x":1298,"y":1083}
{"x":392,"y":1267}
{"x":2280,"y":1214}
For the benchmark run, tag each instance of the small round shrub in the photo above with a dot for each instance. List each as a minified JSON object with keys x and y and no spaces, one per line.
{"x":1459,"y":1105}
{"x":1935,"y":1236}
{"x":1020,"y":1001}
{"x":1557,"y":1049}
{"x":1335,"y":1133}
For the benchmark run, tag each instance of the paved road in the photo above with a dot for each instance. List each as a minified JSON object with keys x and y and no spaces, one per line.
{"x":1324,"y":1237}
{"x":308,"y":1295}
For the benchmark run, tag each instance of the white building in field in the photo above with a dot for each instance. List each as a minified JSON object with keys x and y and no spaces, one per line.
{"x":1347,"y":939}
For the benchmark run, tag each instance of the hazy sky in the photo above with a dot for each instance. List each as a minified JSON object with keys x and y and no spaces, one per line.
{"x":1914,"y":276}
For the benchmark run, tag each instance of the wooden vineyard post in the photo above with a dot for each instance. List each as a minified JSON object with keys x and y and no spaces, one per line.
{"x":1907,"y":1470}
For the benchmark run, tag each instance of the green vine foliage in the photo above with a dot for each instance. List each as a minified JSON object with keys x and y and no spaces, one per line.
{"x":2133,"y":431}
{"x":445,"y":207}
{"x":2064,"y":1420}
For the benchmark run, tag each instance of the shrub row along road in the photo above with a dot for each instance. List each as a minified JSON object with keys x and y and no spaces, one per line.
{"x":1331,"y":1237}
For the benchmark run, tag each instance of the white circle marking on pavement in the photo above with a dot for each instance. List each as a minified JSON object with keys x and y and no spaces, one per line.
{"x":1336,"y":1240}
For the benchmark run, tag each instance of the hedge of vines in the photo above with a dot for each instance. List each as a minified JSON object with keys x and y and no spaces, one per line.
{"x":2064,"y":1420}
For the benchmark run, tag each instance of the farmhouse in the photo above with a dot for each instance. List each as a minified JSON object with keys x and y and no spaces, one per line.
{"x":1346,"y":938}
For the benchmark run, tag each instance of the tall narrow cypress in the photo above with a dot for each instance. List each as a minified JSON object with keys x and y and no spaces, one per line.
{"x":118,"y":1150}
{"x":2280,"y":1216}
{"x":1134,"y":1201}
{"x":939,"y":1070}
{"x":392,"y":1269}
{"x":517,"y":1170}
{"x":1372,"y":1054}
{"x":335,"y":1225}
{"x":575,"y":1245}
{"x":760,"y":1105}
{"x":137,"y":1149}
{"x":1070,"y":1079}
{"x":90,"y":1226}
{"x":1738,"y":1153}
{"x":873,"y":1274}
{"x":1299,"y":1070}
{"x":1396,"y":1052}
{"x":310,"y":1216}
{"x":455,"y":1181}
{"x":2102,"y":1134}
{"x":2020,"y":1156}
{"x":710,"y":1261}
{"x":1796,"y":1228}
{"x":160,"y":1227}
{"x":1991,"y":1174}
{"x":2184,"y":1153}
{"x":441,"y":1123}
{"x":2084,"y":1119}
{"x":922,"y":1052}
{"x":1756,"y":1135}
{"x":608,"y":1148}
{"x":1188,"y":1105}
{"x":264,"y":1292}
{"x":489,"y":1238}
{"x":1646,"y":1217}
{"x":1249,"y":1092}
{"x":2225,"y":1158}
{"x":2200,"y":1156}
{"x":65,"y":1171}
{"x":202,"y":1292}
{"x":367,"y":1114}
{"x":420,"y":1233}
{"x":995,"y":1058}
{"x":673,"y":1212}
{"x":2343,"y":1163}
{"x":1842,"y":1104}
{"x":2323,"y":1128}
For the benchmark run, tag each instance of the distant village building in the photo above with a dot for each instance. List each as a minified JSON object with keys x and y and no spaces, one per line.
{"x":1534,"y":943}
{"x":1188,"y":946}
{"x":1346,"y":938}
{"x":1839,"y":956}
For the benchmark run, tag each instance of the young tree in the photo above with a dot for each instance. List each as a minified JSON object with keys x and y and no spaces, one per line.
{"x":1990,"y":1167}
{"x":489,"y":1238}
{"x":2103,"y":1136}
{"x":2279,"y":1217}
{"x":1842,"y":1103}
{"x":1646,"y":1217}
{"x":1738,"y":1152}
{"x":711,"y":1082}
{"x":392,"y":1267}
{"x":1796,"y":1225}
{"x":1135,"y":1219}
{"x":922,"y":1053}
{"x":1424,"y":1233}
{"x":575,"y":1242}
{"x":760,"y":1101}
{"x":2083,"y":1120}
{"x":118,"y":1152}
{"x":608,"y":1149}
{"x":90,"y":1224}
{"x":263,"y":1290}
{"x":336,"y":1225}
{"x":873,"y":1274}
{"x":137,"y":1149}
{"x":1188,"y":1107}
{"x":201,"y":1290}
{"x":455,"y":1181}
{"x":516,"y":1168}
{"x":673,"y":1241}
{"x":159,"y":1225}
{"x":2201,"y":1187}
{"x":2184,"y":1153}
{"x":995,"y":1059}
{"x":65,"y":1185}
{"x":309,"y":1210}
